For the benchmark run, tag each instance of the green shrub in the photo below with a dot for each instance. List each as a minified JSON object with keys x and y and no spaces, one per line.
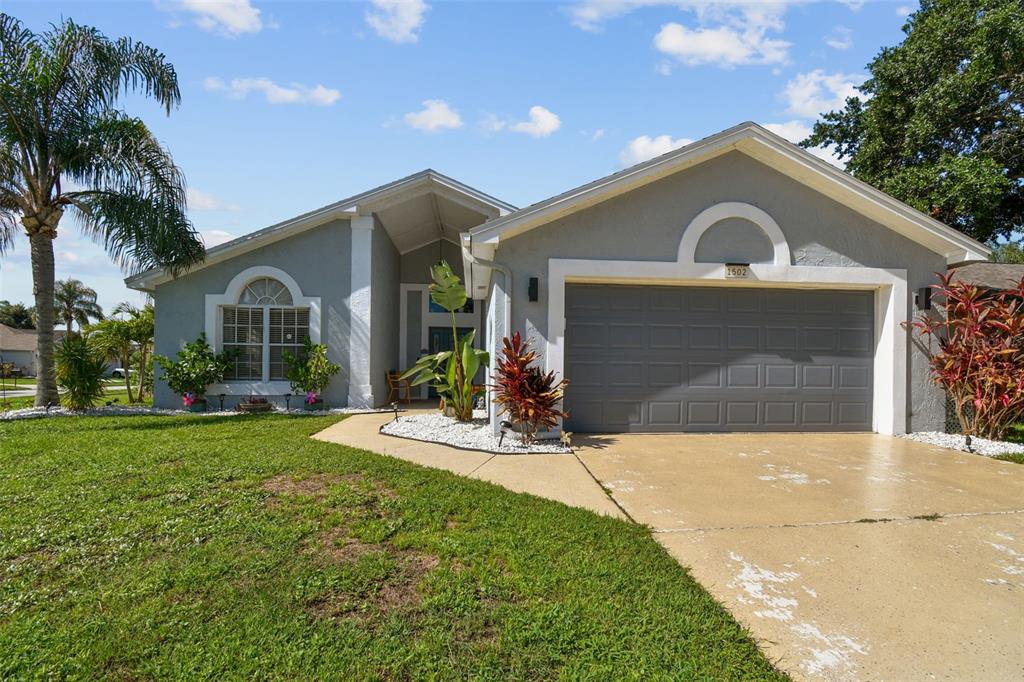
{"x":80,"y":369}
{"x":196,"y":368}
{"x":310,"y":372}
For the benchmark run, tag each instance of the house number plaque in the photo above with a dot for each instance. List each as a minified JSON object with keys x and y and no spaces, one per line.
{"x":736,"y":270}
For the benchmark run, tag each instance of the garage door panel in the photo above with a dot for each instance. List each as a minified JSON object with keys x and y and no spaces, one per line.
{"x":705,"y":359}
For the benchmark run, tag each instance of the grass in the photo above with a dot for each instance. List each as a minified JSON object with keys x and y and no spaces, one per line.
{"x":1014,"y":435}
{"x":118,"y":397}
{"x":237,"y":547}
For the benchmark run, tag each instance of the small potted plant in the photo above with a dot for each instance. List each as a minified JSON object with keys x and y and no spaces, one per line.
{"x":254,"y":404}
{"x":310,"y":372}
{"x":196,"y":368}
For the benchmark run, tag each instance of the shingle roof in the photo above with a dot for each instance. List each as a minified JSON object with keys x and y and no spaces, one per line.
{"x":988,"y":274}
{"x":17,"y":339}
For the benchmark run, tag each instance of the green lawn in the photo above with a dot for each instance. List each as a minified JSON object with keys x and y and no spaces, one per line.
{"x":112,"y":395}
{"x":236,"y":547}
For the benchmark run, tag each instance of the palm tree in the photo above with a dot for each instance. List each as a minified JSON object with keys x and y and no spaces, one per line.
{"x":75,"y":302}
{"x":65,"y":146}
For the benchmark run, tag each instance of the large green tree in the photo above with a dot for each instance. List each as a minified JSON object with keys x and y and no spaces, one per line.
{"x":17,"y":315}
{"x":75,"y":303}
{"x":66,"y":147}
{"x":940,"y":124}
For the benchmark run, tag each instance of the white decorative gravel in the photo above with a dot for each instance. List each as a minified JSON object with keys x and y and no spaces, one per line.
{"x":127,"y":410}
{"x":955,"y":441}
{"x":434,"y":427}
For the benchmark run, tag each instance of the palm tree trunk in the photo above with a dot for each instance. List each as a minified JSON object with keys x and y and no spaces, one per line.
{"x":42,"y":287}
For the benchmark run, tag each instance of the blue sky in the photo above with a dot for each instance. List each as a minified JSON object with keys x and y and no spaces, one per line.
{"x":287,"y":106}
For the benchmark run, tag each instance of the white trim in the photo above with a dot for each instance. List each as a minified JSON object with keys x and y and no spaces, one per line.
{"x":360,"y":387}
{"x":364,"y":203}
{"x":214,"y":331}
{"x":430,"y":319}
{"x":732,"y":209}
{"x":768,"y":148}
{"x":891,"y":305}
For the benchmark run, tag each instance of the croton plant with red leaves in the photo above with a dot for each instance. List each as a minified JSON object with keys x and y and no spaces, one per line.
{"x":529,"y":396}
{"x":975,"y":345}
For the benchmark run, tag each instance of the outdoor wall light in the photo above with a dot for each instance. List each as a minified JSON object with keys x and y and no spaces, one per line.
{"x":534,"y":290}
{"x":221,"y":398}
{"x":923,"y":298}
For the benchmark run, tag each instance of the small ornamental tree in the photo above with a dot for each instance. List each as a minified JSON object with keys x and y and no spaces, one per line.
{"x":979,"y":335}
{"x":196,"y":368}
{"x":80,"y":367}
{"x":528,"y":395}
{"x":310,"y":372}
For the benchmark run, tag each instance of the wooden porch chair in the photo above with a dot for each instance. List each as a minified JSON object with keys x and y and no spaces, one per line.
{"x":396,"y":384}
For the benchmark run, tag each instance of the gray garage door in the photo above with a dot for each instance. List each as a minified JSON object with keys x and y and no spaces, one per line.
{"x":645,"y":358}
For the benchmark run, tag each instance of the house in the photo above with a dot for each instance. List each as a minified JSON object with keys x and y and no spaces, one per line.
{"x":736,"y":284}
{"x":18,"y":347}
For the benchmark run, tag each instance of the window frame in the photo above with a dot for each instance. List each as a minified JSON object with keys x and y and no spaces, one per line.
{"x":214,"y":305}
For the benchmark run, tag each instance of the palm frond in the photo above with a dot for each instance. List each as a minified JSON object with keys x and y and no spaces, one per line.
{"x":139,"y":230}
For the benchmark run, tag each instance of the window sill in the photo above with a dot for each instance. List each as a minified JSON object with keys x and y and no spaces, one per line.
{"x":250,"y":387}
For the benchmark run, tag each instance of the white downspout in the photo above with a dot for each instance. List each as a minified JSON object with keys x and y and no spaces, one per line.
{"x":506,"y":272}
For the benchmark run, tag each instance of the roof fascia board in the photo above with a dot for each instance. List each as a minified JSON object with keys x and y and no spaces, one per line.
{"x":606,"y":188}
{"x":765,"y":147}
{"x":145,"y":281}
{"x":867,"y":200}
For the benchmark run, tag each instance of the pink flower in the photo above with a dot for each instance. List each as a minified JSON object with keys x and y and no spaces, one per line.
{"x":188,"y":399}
{"x":311,"y":397}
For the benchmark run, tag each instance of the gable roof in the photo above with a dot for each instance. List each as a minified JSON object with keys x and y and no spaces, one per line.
{"x":12,"y":339}
{"x":768,"y":148}
{"x":423,"y":182}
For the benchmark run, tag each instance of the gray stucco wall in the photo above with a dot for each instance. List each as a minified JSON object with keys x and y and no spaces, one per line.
{"x":648,"y":223}
{"x":734,"y":240}
{"x":416,"y":264}
{"x":413,"y":328}
{"x":384,"y":312}
{"x":318,"y":259}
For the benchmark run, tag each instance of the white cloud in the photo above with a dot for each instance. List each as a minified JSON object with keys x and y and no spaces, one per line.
{"x":645,"y":147}
{"x":841,"y":38}
{"x":397,"y":20}
{"x":597,"y":135}
{"x":215,"y":237}
{"x":492,"y":123}
{"x":226,"y":17}
{"x":541,"y":124}
{"x":199,"y":200}
{"x":810,"y":94}
{"x":798,"y":131}
{"x":904,"y":11}
{"x":294,"y":93}
{"x":435,"y":115}
{"x":728,"y":33}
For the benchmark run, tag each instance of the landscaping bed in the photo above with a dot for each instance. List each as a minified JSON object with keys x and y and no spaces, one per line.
{"x":132,"y":410}
{"x":217,"y":547}
{"x":979,"y":446}
{"x":434,"y":427}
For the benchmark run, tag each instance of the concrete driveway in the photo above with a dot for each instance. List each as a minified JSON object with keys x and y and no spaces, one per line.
{"x":847,"y":556}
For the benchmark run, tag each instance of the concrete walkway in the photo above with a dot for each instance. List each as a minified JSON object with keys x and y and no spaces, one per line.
{"x":557,"y":477}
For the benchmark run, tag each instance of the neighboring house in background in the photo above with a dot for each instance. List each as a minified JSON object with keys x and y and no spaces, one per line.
{"x":989,"y":275}
{"x":18,"y":346}
{"x":736,"y":284}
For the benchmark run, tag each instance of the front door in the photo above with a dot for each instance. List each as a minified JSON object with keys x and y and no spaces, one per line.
{"x":440,"y":339}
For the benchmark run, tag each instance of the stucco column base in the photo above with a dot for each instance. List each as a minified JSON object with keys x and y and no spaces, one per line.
{"x":361,"y":396}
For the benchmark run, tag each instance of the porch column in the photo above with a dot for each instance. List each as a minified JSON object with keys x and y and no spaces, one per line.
{"x":360,"y":390}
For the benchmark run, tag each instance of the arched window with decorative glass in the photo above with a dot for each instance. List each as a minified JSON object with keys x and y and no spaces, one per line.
{"x":264,"y":323}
